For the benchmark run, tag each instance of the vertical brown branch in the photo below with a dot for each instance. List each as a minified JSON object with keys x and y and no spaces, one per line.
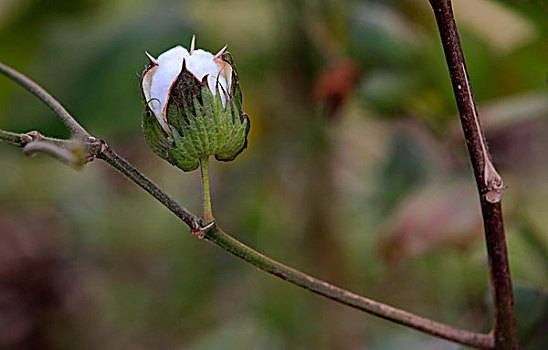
{"x":489,"y":182}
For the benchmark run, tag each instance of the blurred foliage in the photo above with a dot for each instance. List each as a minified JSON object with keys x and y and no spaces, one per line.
{"x":356,"y":172}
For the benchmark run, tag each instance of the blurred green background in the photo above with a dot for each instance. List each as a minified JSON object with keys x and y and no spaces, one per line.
{"x":356,"y":172}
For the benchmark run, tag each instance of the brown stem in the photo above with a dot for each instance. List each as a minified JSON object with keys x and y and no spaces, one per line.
{"x":70,"y":152}
{"x":233,"y":246}
{"x":62,"y":154}
{"x":489,"y":182}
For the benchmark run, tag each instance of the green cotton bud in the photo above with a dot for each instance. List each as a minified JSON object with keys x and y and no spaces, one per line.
{"x":193,"y":107}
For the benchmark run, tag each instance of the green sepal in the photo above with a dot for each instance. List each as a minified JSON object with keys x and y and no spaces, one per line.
{"x":213,"y":130}
{"x":236,"y":92}
{"x":184,"y":155}
{"x":155,"y":136}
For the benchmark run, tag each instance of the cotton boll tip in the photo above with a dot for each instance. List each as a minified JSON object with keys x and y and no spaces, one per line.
{"x":221,"y":52}
{"x":151,"y":59}
{"x":192,"y":44}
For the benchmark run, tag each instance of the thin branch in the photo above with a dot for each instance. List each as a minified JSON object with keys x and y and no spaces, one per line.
{"x":14,"y":138}
{"x":228,"y":243}
{"x":215,"y":235}
{"x":65,"y":155}
{"x":73,"y":126}
{"x":70,"y":152}
{"x":202,"y":229}
{"x":489,"y":182}
{"x":22,"y":140}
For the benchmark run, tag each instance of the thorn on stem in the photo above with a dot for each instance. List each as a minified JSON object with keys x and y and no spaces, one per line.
{"x":200,"y":231}
{"x":494,"y":183}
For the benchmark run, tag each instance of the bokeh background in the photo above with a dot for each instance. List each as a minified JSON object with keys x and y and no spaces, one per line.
{"x":356,"y":172}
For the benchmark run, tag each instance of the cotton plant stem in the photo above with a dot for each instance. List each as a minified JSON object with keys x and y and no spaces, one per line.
{"x":64,"y":155}
{"x":14,"y":138}
{"x":215,"y":235}
{"x":25,"y":138}
{"x":74,"y":127}
{"x":97,"y":148}
{"x":489,"y":182}
{"x":235,"y":247}
{"x":70,"y":152}
{"x":206,"y":197}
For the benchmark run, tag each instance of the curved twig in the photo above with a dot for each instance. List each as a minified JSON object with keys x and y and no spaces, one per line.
{"x":14,"y":138}
{"x":71,"y":152}
{"x":60,"y":153}
{"x":22,"y":140}
{"x":215,"y":235}
{"x":74,"y":127}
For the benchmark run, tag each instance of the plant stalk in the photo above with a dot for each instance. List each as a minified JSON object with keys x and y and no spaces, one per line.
{"x":206,"y":197}
{"x":342,"y":296}
{"x":489,"y":182}
{"x":75,"y":128}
